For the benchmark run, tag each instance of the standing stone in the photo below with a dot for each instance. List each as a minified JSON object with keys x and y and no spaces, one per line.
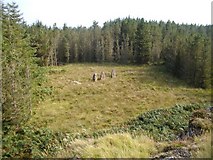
{"x":113,"y":74}
{"x":102,"y":76}
{"x":94,"y":77}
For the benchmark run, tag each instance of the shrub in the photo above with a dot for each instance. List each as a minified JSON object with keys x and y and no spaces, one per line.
{"x":29,"y":142}
{"x":163,"y":124}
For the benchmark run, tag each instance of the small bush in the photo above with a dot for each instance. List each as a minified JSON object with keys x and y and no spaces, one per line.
{"x":29,"y":142}
{"x":164,"y":124}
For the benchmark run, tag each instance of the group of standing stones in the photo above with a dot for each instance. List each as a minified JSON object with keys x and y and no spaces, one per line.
{"x":103,"y":76}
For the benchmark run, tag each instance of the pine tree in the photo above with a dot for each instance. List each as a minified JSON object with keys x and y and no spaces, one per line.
{"x":17,"y":66}
{"x":198,"y":67}
{"x":125,"y":55}
{"x":108,"y":43}
{"x":41,"y":39}
{"x":142,"y":43}
{"x":116,"y":38}
{"x":156,"y":39}
{"x":54,"y":38}
{"x":95,"y":42}
{"x":64,"y":50}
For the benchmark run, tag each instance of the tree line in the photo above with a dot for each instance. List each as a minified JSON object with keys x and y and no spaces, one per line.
{"x":183,"y":49}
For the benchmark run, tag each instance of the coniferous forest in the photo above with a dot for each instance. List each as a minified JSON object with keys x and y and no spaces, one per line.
{"x":28,"y":51}
{"x":184,"y":49}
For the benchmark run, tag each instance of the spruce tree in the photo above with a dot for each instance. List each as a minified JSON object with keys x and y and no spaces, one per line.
{"x":142,"y":43}
{"x":17,"y":66}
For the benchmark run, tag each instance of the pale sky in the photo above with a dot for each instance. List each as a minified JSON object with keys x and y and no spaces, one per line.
{"x":83,"y":12}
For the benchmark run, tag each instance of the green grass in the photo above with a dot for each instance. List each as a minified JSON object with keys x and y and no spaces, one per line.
{"x":92,"y":106}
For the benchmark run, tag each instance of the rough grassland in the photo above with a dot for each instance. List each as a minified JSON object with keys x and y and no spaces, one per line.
{"x":80,"y":105}
{"x":111,"y":146}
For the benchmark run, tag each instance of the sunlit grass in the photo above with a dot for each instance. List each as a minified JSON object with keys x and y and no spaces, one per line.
{"x":87,"y":105}
{"x":111,"y":146}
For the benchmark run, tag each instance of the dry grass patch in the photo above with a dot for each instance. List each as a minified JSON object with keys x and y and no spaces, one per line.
{"x":204,"y":143}
{"x":111,"y":146}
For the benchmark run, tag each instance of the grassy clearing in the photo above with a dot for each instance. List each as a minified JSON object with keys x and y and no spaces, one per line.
{"x":90,"y":106}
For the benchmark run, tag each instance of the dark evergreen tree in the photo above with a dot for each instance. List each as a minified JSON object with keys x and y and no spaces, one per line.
{"x":142,"y":43}
{"x":17,"y":68}
{"x":108,"y":42}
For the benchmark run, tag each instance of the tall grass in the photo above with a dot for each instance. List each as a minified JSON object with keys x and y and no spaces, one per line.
{"x":113,"y":146}
{"x":204,"y":144}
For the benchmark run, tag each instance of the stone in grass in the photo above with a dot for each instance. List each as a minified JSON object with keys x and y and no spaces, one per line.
{"x":113,"y":74}
{"x":76,"y":82}
{"x":95,"y":77}
{"x":102,"y":76}
{"x":174,"y":153}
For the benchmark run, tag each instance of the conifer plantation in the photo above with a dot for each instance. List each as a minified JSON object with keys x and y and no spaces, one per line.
{"x":160,"y":94}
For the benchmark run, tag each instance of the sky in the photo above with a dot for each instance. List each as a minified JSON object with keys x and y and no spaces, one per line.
{"x":83,"y":12}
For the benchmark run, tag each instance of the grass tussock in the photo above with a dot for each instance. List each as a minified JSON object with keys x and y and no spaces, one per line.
{"x":204,"y":146}
{"x":112,"y":146}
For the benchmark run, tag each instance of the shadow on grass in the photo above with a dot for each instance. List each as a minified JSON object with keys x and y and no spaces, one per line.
{"x":158,"y":76}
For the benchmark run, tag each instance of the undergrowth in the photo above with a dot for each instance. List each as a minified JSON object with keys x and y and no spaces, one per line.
{"x":159,"y":125}
{"x":29,"y":142}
